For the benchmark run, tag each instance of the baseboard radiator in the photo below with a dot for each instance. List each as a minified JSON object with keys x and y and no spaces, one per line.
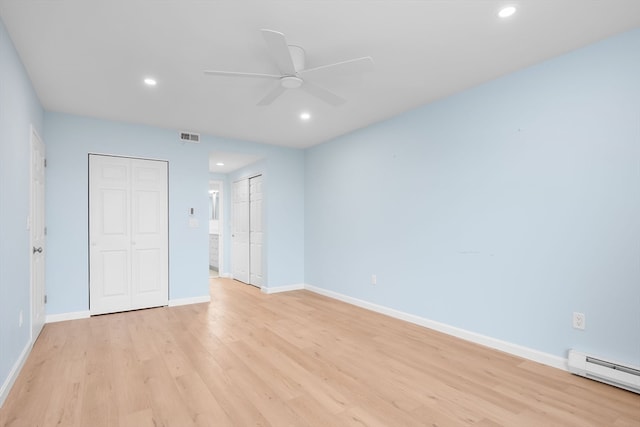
{"x":626,"y":377}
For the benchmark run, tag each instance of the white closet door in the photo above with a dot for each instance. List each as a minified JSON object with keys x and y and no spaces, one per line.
{"x":240,"y":231}
{"x":128,"y":234}
{"x":149,"y":225}
{"x":255,"y":230}
{"x":109,"y":234}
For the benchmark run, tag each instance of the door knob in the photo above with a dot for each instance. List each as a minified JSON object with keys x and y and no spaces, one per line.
{"x":39,"y":250}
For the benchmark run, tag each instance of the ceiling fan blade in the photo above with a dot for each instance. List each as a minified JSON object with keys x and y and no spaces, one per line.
{"x":323,"y":94}
{"x":279,"y":50}
{"x":238,"y":74}
{"x":271,"y":96}
{"x":353,"y":66}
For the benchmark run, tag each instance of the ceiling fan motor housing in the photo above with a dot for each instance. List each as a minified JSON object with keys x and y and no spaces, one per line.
{"x":290,"y":82}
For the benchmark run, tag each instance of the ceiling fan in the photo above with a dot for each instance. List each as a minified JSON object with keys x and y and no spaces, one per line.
{"x":290,"y":60}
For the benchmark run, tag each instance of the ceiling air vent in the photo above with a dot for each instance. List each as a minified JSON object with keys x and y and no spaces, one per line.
{"x":189,"y":137}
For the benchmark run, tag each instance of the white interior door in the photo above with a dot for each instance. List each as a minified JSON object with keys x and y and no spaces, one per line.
{"x":240,"y":231}
{"x":37,"y":233}
{"x":149,"y":226}
{"x":109,"y":234}
{"x":255,"y":230}
{"x":128,"y":234}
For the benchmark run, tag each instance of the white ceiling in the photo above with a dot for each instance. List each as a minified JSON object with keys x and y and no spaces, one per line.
{"x":89,"y":57}
{"x":231,"y":161}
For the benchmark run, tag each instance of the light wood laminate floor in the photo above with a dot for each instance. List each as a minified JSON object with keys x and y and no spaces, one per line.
{"x":289,"y":359}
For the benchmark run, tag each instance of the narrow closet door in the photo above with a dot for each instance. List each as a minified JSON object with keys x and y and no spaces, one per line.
{"x":255,"y":230}
{"x":240,"y":231}
{"x":109,"y":234}
{"x":149,"y":226}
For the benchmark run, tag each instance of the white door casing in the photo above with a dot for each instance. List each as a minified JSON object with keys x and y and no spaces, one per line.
{"x":240,"y":231}
{"x":255,"y":231}
{"x":37,"y":234}
{"x":128,"y":234}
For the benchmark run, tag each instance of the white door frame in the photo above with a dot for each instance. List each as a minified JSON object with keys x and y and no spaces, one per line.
{"x":37,"y":234}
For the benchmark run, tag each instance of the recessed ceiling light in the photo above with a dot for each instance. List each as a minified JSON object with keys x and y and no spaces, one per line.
{"x":219,"y":164}
{"x":150,"y":82}
{"x":305,"y":116}
{"x":506,"y":12}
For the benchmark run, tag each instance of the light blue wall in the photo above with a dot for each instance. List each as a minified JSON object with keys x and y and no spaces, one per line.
{"x":19,"y":109}
{"x":500,"y":210}
{"x":70,"y":138}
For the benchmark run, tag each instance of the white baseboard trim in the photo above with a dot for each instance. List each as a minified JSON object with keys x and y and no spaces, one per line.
{"x":287,"y":288}
{"x":186,"y":301}
{"x":13,"y":374}
{"x":507,"y":347}
{"x":225,"y":275}
{"x":52,"y":318}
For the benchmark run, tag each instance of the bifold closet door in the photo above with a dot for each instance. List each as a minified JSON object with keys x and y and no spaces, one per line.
{"x":240,"y":231}
{"x":128,"y":234}
{"x":247,"y":231}
{"x":255,"y":231}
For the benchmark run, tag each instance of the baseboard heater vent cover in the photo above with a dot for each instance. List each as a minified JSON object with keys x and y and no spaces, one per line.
{"x":615,"y":374}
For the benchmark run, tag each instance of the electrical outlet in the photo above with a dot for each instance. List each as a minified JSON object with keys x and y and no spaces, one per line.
{"x":578,"y":321}
{"x":374,"y":279}
{"x":20,"y":320}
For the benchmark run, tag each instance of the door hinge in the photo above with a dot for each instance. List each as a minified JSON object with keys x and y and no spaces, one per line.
{"x":45,"y":299}
{"x":45,"y":163}
{"x":45,"y":231}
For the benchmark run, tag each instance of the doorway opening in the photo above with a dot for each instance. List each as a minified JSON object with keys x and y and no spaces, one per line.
{"x":216,"y":221}
{"x":225,"y":168}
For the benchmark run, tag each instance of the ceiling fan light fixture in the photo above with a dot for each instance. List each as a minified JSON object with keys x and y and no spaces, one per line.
{"x":291,"y":82}
{"x":304,"y":116}
{"x":507,"y":11}
{"x":150,"y":81}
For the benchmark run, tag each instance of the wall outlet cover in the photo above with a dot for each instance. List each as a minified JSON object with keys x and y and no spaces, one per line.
{"x":578,"y":320}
